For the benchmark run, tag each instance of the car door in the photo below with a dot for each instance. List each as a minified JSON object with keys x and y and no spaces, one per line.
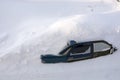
{"x":80,"y":51}
{"x":101,"y":48}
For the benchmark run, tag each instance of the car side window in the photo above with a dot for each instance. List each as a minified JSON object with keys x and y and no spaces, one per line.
{"x":81,"y":49}
{"x":101,"y":47}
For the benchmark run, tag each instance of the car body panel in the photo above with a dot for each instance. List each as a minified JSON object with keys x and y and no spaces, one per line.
{"x":53,"y":59}
{"x":80,"y":51}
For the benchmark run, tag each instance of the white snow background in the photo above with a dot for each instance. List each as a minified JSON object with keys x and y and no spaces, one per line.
{"x":29,"y":28}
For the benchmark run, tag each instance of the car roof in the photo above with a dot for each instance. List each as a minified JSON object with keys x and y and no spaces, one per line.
{"x":95,"y":41}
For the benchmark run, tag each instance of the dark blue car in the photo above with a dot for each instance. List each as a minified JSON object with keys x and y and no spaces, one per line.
{"x":74,"y":51}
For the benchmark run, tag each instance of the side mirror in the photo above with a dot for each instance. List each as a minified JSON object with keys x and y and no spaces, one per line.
{"x":71,"y":42}
{"x":115,"y":49}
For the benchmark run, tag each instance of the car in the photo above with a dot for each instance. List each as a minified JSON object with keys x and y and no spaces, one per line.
{"x":75,"y":51}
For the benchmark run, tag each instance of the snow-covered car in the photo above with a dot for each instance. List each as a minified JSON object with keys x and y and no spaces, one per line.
{"x":74,"y":51}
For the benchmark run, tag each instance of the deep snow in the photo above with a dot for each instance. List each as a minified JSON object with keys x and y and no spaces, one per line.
{"x":29,"y":29}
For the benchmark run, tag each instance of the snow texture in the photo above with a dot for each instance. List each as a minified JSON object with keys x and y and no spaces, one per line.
{"x":30,"y":28}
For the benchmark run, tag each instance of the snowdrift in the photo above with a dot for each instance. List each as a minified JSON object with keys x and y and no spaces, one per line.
{"x":20,"y":48}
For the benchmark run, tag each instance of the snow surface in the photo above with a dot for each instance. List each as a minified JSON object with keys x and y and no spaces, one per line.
{"x":30,"y":28}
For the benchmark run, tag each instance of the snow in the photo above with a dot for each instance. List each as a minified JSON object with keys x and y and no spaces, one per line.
{"x":30,"y":28}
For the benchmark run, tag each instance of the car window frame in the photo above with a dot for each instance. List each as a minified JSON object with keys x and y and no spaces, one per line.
{"x":101,"y":50}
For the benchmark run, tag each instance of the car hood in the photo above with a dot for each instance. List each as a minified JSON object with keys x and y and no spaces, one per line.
{"x":47,"y":56}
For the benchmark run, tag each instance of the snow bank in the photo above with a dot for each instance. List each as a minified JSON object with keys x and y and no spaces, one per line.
{"x":23,"y":46}
{"x":80,"y":28}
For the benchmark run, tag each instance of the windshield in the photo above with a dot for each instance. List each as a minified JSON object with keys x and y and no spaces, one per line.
{"x":65,"y":48}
